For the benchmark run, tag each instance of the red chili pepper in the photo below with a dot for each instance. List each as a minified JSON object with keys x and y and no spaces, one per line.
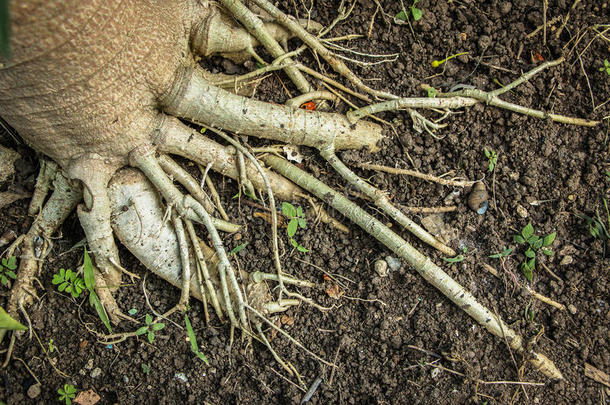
{"x":310,"y":105}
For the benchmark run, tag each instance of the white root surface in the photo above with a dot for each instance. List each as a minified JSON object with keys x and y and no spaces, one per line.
{"x":138,"y":222}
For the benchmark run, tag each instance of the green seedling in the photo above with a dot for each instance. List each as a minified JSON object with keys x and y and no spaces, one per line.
{"x":7,"y":269}
{"x":297,"y":220}
{"x":238,"y":248}
{"x":492,"y":158}
{"x":68,"y":281}
{"x":437,"y":63}
{"x":51,"y":346}
{"x":504,"y":253}
{"x":150,"y":328}
{"x":457,"y":259}
{"x":8,"y":323}
{"x":67,"y":393}
{"x":132,"y":311}
{"x":193,"y":340}
{"x":597,"y":227}
{"x":94,"y":300}
{"x":606,"y":67}
{"x":534,"y":244}
{"x":415,"y":12}
{"x":145,"y":368}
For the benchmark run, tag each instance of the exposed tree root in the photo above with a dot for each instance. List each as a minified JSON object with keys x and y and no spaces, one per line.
{"x":154,"y":219}
{"x":431,"y":272}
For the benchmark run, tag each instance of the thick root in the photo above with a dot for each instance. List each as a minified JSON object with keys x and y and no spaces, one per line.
{"x":196,"y":100}
{"x":219,"y":34}
{"x":176,"y":138}
{"x":137,"y":220}
{"x":422,"y":264}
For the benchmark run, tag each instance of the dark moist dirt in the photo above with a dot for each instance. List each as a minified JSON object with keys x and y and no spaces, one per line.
{"x":385,"y":338}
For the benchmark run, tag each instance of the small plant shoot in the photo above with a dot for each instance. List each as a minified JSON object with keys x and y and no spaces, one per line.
{"x":94,"y":300}
{"x":437,"y":63}
{"x":296,"y":218}
{"x":68,"y":281}
{"x":7,"y":269}
{"x":492,"y":158}
{"x":150,"y":328}
{"x":67,"y":393}
{"x":457,"y":259}
{"x":534,"y":244}
{"x":415,"y":12}
{"x":193,"y":340}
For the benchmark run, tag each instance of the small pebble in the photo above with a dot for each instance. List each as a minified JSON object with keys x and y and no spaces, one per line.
{"x":567,"y":259}
{"x":381,"y":268}
{"x":89,"y":365}
{"x":96,"y":372}
{"x":435,"y":372}
{"x":34,"y":391}
{"x":572,"y":309}
{"x":393,"y":262}
{"x":521,"y":211}
{"x":181,"y":377}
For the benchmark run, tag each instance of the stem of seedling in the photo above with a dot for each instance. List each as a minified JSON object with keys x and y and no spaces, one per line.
{"x":437,"y":63}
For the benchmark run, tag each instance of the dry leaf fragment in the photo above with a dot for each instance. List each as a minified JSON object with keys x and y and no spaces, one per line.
{"x":597,"y":375}
{"x":334,"y":291}
{"x":88,"y":397}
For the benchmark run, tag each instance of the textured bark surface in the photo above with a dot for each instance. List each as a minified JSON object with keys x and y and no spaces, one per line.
{"x":86,"y":76}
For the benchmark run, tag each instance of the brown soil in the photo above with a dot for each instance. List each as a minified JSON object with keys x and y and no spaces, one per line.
{"x":386,"y":338}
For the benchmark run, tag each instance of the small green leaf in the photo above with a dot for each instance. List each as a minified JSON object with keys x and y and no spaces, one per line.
{"x":62,"y":274}
{"x":142,"y":330}
{"x":88,"y":273}
{"x":132,"y":311}
{"x":289,"y":210}
{"x":547,"y":252}
{"x":193,"y":340}
{"x":518,"y":239}
{"x":456,"y":259}
{"x":417,"y":13}
{"x":294,"y":242}
{"x":157,"y":326}
{"x":68,"y":275}
{"x":151,"y":337}
{"x":95,"y":302}
{"x":12,"y":263}
{"x":487,"y":153}
{"x":11,"y":274}
{"x":528,"y":231}
{"x":302,"y":223}
{"x":238,"y":248}
{"x":292,"y":227}
{"x":300,"y":213}
{"x":402,"y":15}
{"x":63,"y":286}
{"x":7,"y":322}
{"x":148,"y":319}
{"x":527,"y":272}
{"x":549,"y":239}
{"x":532,"y":263}
{"x":537,"y":244}
{"x":302,"y":249}
{"x":56,"y":279}
{"x":4,"y":279}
